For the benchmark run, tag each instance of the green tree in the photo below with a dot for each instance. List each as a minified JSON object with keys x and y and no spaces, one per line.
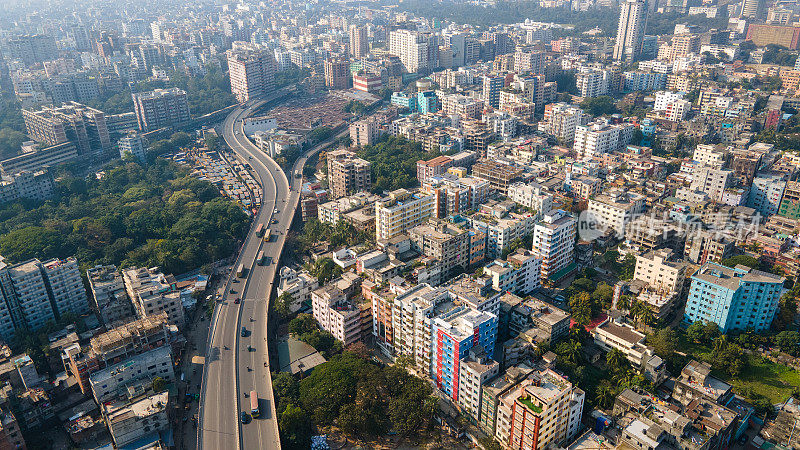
{"x":599,"y":106}
{"x":664,"y":342}
{"x":296,"y":428}
{"x":159,"y":384}
{"x":744,"y":260}
{"x":302,"y":324}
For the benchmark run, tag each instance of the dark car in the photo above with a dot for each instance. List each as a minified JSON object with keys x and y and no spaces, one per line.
{"x":244,"y":417}
{"x":236,"y":300}
{"x":232,"y":291}
{"x":244,"y":331}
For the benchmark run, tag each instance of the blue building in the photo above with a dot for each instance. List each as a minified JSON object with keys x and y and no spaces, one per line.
{"x":736,"y":299}
{"x":427,"y":102}
{"x":454,"y":333}
{"x":403,"y":100}
{"x":644,"y":81}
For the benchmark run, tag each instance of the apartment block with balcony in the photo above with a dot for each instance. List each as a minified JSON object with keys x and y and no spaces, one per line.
{"x":554,"y":243}
{"x":152,"y":293}
{"x":347,"y":174}
{"x":340,"y":316}
{"x":400,"y":211}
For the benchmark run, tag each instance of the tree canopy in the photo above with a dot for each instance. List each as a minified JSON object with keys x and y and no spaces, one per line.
{"x":394,"y":162}
{"x":133,"y":216}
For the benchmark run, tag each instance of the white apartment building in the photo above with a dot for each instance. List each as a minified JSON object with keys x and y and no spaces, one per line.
{"x":598,"y":137}
{"x":475,"y":370}
{"x":561,"y":120}
{"x":252,"y":71}
{"x":766,"y":192}
{"x":111,"y":381}
{"x":592,"y":82}
{"x":416,"y":50}
{"x":108,"y":294}
{"x":711,"y":155}
{"x":502,"y":231}
{"x":336,"y":314}
{"x":401,"y":211}
{"x":531,"y":196}
{"x":711,"y":181}
{"x":672,"y":105}
{"x":461,"y":105}
{"x":298,"y":285}
{"x":66,"y":286}
{"x":616,"y":209}
{"x":152,"y":292}
{"x":554,"y":242}
{"x":660,"y":274}
{"x":412,"y":314}
{"x":519,"y":273}
{"x":31,"y":294}
{"x":129,"y":420}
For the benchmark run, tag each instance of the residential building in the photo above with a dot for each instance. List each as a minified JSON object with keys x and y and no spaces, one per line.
{"x":554,"y":243}
{"x":347,"y":174}
{"x":115,"y":379}
{"x":27,"y":185}
{"x":534,"y":319}
{"x":152,"y":293}
{"x":763,"y":35}
{"x":453,"y":334}
{"x":252,"y":71}
{"x":660,"y":272}
{"x":131,"y":419}
{"x":359,"y":43}
{"x":611,"y":334}
{"x":133,"y":145}
{"x":161,"y":108}
{"x":10,"y":434}
{"x":337,"y":73}
{"x":337,"y":314}
{"x":492,"y":84}
{"x":36,"y":159}
{"x":544,"y":410}
{"x":400,"y":211}
{"x":73,"y":122}
{"x":433,"y":168}
{"x":494,"y":389}
{"x":600,"y":136}
{"x":705,"y":246}
{"x":418,"y":51}
{"x":614,"y":210}
{"x":110,"y":300}
{"x":736,"y":299}
{"x":532,"y":196}
{"x":365,"y":132}
{"x":501,"y":226}
{"x":790,"y":204}
{"x":766,"y":192}
{"x":630,"y":30}
{"x":444,"y":242}
{"x":519,"y":273}
{"x":711,"y":181}
{"x":474,"y":371}
{"x":298,"y":285}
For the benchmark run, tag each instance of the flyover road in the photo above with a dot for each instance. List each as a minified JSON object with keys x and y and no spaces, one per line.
{"x":236,"y":364}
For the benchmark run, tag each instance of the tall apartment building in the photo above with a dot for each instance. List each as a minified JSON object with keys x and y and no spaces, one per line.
{"x":593,"y":82}
{"x":561,"y":121}
{"x":542,"y":411}
{"x":139,"y":369}
{"x":27,"y":185}
{"x":32,"y":49}
{"x":711,"y":181}
{"x":708,"y":246}
{"x":736,"y":299}
{"x":554,"y":243}
{"x":461,"y":105}
{"x":347,"y":174}
{"x":454,"y":333}
{"x":492,"y":84}
{"x":35,"y":292}
{"x":445,"y":242}
{"x":766,"y":192}
{"x":110,"y":300}
{"x":337,"y":314}
{"x":400,"y":211}
{"x":152,"y":293}
{"x":600,"y":136}
{"x":252,"y":71}
{"x":418,"y":51}
{"x":161,"y":108}
{"x":520,"y":272}
{"x":337,"y":73}
{"x":454,"y":195}
{"x":630,"y":30}
{"x":359,"y":44}
{"x":72,"y":122}
{"x":613,"y":211}
{"x":365,"y":132}
{"x":529,"y":62}
{"x":134,"y":145}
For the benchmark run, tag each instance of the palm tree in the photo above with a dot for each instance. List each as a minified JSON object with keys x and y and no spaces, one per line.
{"x":624,"y":303}
{"x":635,"y":311}
{"x":573,"y":352}
{"x":646,"y":315}
{"x":720,"y":343}
{"x":614,"y":359}
{"x":605,"y":394}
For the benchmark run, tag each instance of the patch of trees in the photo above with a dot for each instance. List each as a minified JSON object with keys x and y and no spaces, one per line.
{"x":599,"y":106}
{"x":133,"y":216}
{"x":780,"y":55}
{"x":354,"y":394}
{"x":587,"y":300}
{"x":290,"y":76}
{"x":355,"y":107}
{"x":164,"y":146}
{"x":339,"y":235}
{"x":12,"y":127}
{"x":394,"y":162}
{"x":305,"y":328}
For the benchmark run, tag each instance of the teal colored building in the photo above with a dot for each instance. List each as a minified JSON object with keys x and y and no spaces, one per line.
{"x":736,"y":299}
{"x":403,"y":100}
{"x":427,"y":102}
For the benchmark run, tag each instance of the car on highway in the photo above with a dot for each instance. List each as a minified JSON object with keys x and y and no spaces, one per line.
{"x":244,"y":332}
{"x":244,"y":417}
{"x":232,"y":291}
{"x":298,"y":175}
{"x":275,"y":211}
{"x":274,"y":221}
{"x":236,"y":300}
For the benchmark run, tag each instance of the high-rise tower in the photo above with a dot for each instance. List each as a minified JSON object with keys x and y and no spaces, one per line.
{"x":630,"y":32}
